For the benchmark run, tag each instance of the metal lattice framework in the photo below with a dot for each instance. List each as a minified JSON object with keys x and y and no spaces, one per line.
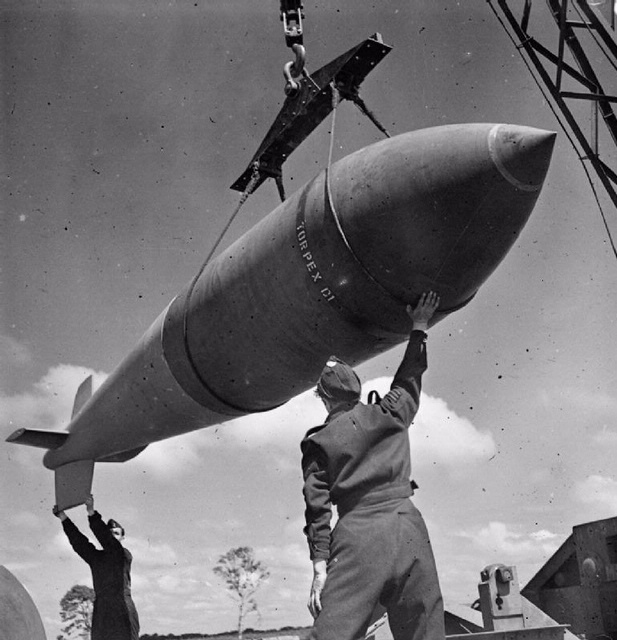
{"x":554,"y":66}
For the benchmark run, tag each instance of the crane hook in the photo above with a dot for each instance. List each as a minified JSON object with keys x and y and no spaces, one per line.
{"x":294,"y":69}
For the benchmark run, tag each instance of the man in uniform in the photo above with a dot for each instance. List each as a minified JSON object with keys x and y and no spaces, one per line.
{"x":114,"y":616}
{"x":379,"y":551}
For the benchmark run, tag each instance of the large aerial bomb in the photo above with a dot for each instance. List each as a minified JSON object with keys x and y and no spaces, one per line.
{"x":329,"y":271}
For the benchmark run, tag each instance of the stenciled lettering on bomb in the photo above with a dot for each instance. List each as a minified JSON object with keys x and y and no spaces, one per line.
{"x":309,"y":262}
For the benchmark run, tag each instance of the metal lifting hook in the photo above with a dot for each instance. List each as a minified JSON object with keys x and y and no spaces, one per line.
{"x":294,"y":69}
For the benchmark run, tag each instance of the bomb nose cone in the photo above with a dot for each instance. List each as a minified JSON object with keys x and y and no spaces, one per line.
{"x":521,"y":154}
{"x":438,"y":209}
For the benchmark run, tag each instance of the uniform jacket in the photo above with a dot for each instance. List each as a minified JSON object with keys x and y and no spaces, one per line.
{"x":361,"y":454}
{"x":114,"y":616}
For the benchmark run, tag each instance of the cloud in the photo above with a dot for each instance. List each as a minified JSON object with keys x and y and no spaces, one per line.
{"x":49,"y":404}
{"x":151,"y":554}
{"x":279,"y":432}
{"x":598,"y":491}
{"x":543,"y":535}
{"x":444,"y":436}
{"x":172,"y":458}
{"x":189,"y":588}
{"x":18,"y":567}
{"x":438,"y":434}
{"x":605,"y":438}
{"x":285,"y":558}
{"x":59,"y":546}
{"x":499,"y":542}
{"x":13,"y":352}
{"x":177,"y":585}
{"x":589,"y":403}
{"x":284,"y":426}
{"x":25,"y":520}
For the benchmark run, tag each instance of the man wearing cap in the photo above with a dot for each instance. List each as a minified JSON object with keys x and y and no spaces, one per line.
{"x":379,"y":552}
{"x":114,"y":616}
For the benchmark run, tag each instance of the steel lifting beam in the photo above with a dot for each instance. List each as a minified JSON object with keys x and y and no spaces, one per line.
{"x":303,"y":111}
{"x":552,"y":66}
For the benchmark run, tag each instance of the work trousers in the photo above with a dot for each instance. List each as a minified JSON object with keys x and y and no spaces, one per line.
{"x":381,"y":554}
{"x":114,"y":618}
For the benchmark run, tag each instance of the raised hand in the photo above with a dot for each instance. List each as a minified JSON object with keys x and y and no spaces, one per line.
{"x":424,"y":310}
{"x":58,"y":513}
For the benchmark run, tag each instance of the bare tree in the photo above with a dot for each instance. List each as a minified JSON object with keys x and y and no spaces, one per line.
{"x":76,"y":612}
{"x":243,"y":575}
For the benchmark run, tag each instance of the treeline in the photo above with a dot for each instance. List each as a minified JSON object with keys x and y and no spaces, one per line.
{"x":302,"y":633}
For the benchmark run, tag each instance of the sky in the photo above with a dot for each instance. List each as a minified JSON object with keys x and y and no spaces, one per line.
{"x":123,"y":125}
